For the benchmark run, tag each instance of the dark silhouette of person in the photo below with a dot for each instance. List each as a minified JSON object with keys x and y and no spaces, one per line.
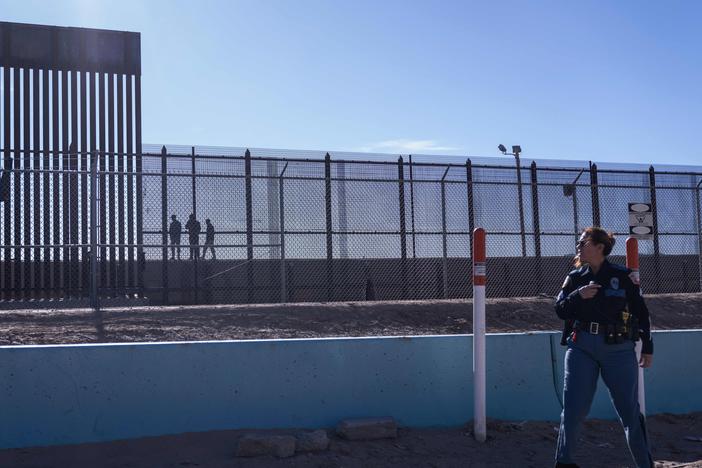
{"x":193,"y":227}
{"x":174,"y":232}
{"x":5,"y":184}
{"x":209,"y":239}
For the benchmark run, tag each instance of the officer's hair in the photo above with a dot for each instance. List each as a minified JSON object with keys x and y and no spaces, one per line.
{"x":600,"y":236}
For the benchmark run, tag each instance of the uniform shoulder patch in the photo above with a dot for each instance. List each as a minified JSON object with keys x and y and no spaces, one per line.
{"x":567,"y":282}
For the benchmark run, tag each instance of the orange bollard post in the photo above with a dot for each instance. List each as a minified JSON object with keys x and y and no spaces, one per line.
{"x":632,"y":262}
{"x":479,"y":416}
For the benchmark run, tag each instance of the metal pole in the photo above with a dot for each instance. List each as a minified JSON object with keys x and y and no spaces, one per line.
{"x":469,"y":192}
{"x":699,"y":233}
{"x":536,"y":225}
{"x":164,"y":225}
{"x":343,"y":217}
{"x":443,"y":234}
{"x":403,"y":225}
{"x":656,"y":242}
{"x":414,"y":236}
{"x":328,"y":211}
{"x":571,"y":190}
{"x":652,"y":188}
{"x":479,"y":373}
{"x":196,"y":251}
{"x":575,"y":212}
{"x":632,"y":262}
{"x":249,"y":227}
{"x":283,"y":278}
{"x":93,"y":231}
{"x":595,"y":195}
{"x":521,"y":204}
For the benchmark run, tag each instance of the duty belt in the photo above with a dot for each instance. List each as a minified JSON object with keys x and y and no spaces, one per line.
{"x":613,"y":334}
{"x":591,"y":327}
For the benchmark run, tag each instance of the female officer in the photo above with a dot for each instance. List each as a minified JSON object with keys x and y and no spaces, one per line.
{"x":605,"y":314}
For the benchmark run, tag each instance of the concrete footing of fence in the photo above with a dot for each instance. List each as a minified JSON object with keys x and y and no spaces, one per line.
{"x":87,"y":393}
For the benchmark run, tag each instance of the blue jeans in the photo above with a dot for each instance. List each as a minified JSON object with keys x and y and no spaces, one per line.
{"x":586,"y":358}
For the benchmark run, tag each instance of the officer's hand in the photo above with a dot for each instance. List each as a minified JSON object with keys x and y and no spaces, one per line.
{"x":646,"y":360}
{"x":634,"y":277}
{"x":589,"y":291}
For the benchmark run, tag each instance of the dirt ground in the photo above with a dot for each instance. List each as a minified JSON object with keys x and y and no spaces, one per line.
{"x":676,"y":439}
{"x":307,"y":320}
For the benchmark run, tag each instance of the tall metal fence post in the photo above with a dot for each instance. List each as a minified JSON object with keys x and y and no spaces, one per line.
{"x":27,"y":197}
{"x":522,"y":230}
{"x":196,"y":254}
{"x":328,"y":211}
{"x":8,"y":264}
{"x":93,"y":230}
{"x":414,"y":235}
{"x":537,"y":225}
{"x":576,"y":223}
{"x":249,"y":228}
{"x":595,"y":195}
{"x":73,"y":223}
{"x":656,"y":244}
{"x":403,"y":226}
{"x":341,"y":206}
{"x":283,"y":270}
{"x":469,"y":193}
{"x":699,"y":234}
{"x":444,"y":263}
{"x":48,"y":272}
{"x":273,"y":200}
{"x":164,"y":225}
{"x":139,"y":186}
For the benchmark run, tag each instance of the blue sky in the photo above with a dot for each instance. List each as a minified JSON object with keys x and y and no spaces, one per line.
{"x":591,"y":80}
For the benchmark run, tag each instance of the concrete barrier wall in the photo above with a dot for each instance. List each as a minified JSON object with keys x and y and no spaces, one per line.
{"x":86,"y":393}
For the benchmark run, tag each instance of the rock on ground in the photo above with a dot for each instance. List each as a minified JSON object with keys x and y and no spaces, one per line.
{"x":315,"y":441}
{"x":367,"y":429}
{"x":252,"y":445}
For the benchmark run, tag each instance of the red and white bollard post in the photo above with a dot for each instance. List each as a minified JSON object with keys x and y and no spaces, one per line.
{"x":632,"y":262}
{"x":479,"y":425}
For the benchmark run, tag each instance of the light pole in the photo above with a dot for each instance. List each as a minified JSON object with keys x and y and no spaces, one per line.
{"x":516,"y":149}
{"x":569,"y":190}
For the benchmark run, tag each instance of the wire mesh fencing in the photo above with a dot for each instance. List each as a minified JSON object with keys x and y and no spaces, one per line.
{"x":184,"y":225}
{"x":69,"y":226}
{"x":321,"y":229}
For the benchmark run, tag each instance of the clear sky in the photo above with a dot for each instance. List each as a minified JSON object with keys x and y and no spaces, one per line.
{"x":615,"y":81}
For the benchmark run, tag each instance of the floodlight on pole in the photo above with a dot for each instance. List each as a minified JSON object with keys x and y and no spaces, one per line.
{"x":516,"y":150}
{"x":570,"y":190}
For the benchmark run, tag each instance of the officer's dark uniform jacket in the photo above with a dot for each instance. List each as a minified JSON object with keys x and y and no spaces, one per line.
{"x":603,"y":312}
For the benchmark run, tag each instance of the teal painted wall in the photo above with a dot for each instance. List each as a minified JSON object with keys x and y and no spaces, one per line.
{"x":85,"y":393}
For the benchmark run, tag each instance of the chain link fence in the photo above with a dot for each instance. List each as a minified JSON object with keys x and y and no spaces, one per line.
{"x":182,"y":225}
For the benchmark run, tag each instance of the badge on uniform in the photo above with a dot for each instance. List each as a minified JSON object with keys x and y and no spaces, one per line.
{"x":614,"y":283}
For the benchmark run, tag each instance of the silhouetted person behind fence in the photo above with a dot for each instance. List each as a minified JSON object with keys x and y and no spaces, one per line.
{"x":5,"y":184}
{"x":193,"y":227}
{"x":209,"y":239}
{"x":174,"y":232}
{"x":5,"y":190}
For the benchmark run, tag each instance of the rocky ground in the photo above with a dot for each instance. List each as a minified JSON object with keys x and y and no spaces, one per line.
{"x":307,"y":320}
{"x":676,"y":439}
